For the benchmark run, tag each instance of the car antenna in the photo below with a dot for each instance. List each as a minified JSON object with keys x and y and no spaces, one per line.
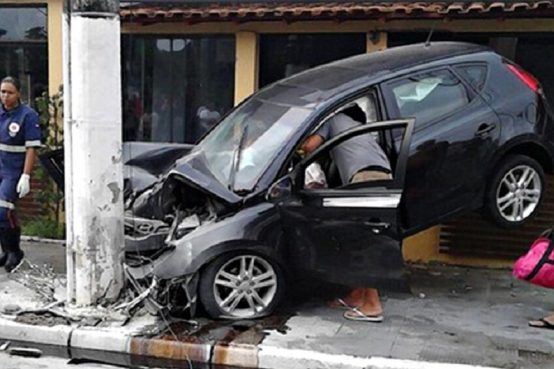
{"x":428,"y":41}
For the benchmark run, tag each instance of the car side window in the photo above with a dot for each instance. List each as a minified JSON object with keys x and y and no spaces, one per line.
{"x":428,"y":96}
{"x":475,"y":74}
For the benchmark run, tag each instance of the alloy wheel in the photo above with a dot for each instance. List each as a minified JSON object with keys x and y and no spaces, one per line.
{"x":518,"y":193}
{"x":245,"y":286}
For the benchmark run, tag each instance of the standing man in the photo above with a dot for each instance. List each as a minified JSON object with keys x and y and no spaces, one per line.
{"x":19,"y":139}
{"x":359,"y":159}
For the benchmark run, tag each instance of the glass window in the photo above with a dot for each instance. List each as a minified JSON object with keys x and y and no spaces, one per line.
{"x":175,"y":88}
{"x":285,"y":55}
{"x":474,"y":74}
{"x":242,"y":146}
{"x":22,"y":23}
{"x":24,"y":48}
{"x":429,"y":96}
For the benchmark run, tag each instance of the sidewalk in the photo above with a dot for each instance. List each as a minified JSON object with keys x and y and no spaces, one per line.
{"x":455,"y":316}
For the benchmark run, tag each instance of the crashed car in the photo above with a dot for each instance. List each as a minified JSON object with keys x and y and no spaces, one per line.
{"x":229,"y":221}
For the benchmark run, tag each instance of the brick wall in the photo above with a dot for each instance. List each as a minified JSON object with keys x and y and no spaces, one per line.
{"x":28,"y":208}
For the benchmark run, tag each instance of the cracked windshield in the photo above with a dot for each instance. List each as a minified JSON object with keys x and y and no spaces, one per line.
{"x":247,"y":140}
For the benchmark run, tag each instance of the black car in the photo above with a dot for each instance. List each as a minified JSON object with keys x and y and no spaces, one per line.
{"x":230,"y":219}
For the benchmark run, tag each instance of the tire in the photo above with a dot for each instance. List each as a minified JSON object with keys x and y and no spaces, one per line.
{"x":515,"y":191}
{"x":239,"y":274}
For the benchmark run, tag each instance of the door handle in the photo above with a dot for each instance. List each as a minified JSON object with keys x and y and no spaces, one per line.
{"x":485,"y":129}
{"x":377,"y":227}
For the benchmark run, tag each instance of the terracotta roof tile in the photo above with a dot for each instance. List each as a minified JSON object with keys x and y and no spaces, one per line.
{"x":330,"y":10}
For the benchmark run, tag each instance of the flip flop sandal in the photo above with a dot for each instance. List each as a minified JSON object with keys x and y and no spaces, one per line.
{"x":541,"y":323}
{"x":357,"y":315}
{"x":339,"y":304}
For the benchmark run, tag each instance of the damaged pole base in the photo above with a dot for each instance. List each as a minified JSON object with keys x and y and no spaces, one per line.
{"x":94,"y":315}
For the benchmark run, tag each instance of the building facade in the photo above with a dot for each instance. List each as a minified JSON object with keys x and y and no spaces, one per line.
{"x":186,"y":63}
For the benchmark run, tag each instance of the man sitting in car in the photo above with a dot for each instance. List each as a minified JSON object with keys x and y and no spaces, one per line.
{"x":359,"y":159}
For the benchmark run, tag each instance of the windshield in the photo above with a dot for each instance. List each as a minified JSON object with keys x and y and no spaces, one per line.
{"x":269,"y":125}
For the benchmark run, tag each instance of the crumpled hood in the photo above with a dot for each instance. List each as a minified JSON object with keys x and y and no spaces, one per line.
{"x":192,"y":170}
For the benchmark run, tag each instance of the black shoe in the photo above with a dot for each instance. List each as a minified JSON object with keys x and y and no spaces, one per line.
{"x":14,"y":259}
{"x":4,"y":255}
{"x":10,"y":239}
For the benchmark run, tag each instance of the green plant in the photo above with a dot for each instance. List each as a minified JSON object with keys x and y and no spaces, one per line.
{"x":49,"y":197}
{"x":49,"y":228}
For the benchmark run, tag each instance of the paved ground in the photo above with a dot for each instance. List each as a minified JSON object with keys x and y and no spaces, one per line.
{"x":453,"y":315}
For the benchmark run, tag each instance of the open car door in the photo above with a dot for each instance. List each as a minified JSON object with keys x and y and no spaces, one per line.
{"x":348,"y":235}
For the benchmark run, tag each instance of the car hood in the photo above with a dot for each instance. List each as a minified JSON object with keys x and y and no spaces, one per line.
{"x":192,"y":170}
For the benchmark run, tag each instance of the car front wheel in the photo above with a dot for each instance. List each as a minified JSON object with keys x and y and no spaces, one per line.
{"x":241,"y":286}
{"x":515,"y":191}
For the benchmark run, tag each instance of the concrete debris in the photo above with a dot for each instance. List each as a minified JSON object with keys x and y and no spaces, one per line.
{"x":145,"y":297}
{"x":48,"y":287}
{"x":47,"y":319}
{"x":11,"y":309}
{"x":40,"y":279}
{"x":49,"y":315}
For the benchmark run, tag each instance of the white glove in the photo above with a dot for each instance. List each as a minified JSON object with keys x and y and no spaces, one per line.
{"x":24,"y":185}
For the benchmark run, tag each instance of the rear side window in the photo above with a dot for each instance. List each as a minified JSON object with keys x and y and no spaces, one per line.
{"x":428,"y":96}
{"x":474,"y":74}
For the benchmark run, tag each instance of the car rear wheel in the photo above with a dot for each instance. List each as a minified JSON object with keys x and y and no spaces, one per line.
{"x":241,"y":286}
{"x":515,"y":191}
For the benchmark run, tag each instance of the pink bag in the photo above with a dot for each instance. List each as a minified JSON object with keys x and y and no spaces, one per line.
{"x":537,"y":266}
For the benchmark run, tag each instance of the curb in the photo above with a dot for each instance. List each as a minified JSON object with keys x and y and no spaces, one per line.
{"x":113,"y":341}
{"x":42,"y":240}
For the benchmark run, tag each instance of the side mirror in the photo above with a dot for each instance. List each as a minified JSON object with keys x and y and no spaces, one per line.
{"x":280,"y":189}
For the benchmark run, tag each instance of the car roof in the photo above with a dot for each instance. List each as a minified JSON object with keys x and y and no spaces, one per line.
{"x":403,"y":57}
{"x":319,"y":85}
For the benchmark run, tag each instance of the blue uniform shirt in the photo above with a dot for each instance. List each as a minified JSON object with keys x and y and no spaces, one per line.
{"x":19,"y":129}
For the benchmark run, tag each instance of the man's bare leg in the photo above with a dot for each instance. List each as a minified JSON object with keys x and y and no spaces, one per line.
{"x":371,"y":309}
{"x":355,"y":298}
{"x":371,"y":303}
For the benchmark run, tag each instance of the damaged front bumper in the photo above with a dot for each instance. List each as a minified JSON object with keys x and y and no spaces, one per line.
{"x":161,"y":296}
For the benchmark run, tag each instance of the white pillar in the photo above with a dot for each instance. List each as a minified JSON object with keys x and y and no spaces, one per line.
{"x":93,"y":144}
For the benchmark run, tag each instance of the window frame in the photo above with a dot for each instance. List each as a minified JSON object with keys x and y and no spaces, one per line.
{"x":371,"y":92}
{"x":398,"y":173}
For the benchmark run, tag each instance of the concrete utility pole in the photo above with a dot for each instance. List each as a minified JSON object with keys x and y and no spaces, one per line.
{"x":92,"y":144}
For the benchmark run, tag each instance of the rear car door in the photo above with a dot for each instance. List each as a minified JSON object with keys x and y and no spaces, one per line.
{"x":348,"y":235}
{"x":455,"y":133}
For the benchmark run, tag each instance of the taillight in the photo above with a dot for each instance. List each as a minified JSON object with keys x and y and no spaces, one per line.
{"x":524,"y":76}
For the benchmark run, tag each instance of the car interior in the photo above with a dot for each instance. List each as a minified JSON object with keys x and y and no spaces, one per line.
{"x":365,"y":111}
